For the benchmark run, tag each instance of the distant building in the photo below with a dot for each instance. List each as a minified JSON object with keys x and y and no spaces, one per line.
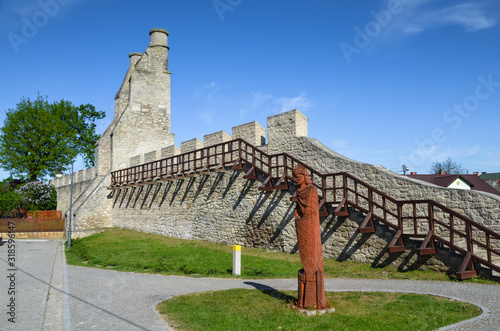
{"x":493,"y":179}
{"x":463,"y":182}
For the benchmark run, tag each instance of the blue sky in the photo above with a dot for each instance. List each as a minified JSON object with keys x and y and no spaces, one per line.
{"x":383,"y":82}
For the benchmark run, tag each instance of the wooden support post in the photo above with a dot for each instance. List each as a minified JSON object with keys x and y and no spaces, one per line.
{"x":323,"y":211}
{"x":396,"y":245}
{"x":427,"y":247}
{"x":282,"y":183}
{"x":467,"y":270}
{"x":367,"y":225}
{"x":341,"y":209}
{"x":267,"y":185}
{"x":250,"y":174}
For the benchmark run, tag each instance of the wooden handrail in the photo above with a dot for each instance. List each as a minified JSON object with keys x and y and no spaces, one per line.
{"x":239,"y":150}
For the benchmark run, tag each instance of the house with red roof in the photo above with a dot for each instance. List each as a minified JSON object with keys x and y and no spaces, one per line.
{"x":462,"y":182}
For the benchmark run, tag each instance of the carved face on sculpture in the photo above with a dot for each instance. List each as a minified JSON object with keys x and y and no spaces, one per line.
{"x":299,"y":179}
{"x":300,"y":175}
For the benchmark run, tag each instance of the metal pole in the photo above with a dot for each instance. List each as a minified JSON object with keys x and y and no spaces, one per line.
{"x":70,"y":208}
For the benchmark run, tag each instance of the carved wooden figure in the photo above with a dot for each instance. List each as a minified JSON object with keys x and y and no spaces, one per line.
{"x":311,"y":289}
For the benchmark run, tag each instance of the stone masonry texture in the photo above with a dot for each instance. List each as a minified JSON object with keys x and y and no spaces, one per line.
{"x":224,"y":207}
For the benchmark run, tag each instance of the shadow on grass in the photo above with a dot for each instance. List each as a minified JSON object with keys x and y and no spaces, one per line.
{"x":272,"y":292}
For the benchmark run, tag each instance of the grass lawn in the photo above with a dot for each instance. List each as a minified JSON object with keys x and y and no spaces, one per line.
{"x":128,"y":250}
{"x":243,"y":309}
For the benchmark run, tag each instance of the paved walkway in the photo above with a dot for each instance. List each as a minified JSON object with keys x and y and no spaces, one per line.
{"x":53,"y":296}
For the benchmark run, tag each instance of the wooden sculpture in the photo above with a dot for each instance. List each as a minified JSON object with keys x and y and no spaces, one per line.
{"x":311,"y":289}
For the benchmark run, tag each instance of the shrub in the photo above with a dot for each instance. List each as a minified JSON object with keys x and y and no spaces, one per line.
{"x":38,"y":196}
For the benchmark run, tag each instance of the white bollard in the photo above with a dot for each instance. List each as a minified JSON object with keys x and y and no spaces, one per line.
{"x":236,"y":260}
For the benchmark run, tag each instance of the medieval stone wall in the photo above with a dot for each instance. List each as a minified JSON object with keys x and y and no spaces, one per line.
{"x":91,"y":205}
{"x":81,"y":181}
{"x":225,"y":207}
{"x":482,"y":207}
{"x":229,"y":209}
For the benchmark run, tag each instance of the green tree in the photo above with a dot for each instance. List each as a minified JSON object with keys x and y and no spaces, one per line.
{"x":10,"y":200}
{"x":449,"y":166}
{"x":39,"y":137}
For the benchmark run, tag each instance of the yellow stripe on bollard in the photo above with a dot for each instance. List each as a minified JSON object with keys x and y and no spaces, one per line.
{"x":236,"y":260}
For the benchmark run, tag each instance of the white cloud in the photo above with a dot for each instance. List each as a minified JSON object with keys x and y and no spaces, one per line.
{"x":299,"y":102}
{"x":478,"y":152}
{"x":259,"y":99}
{"x":472,"y":151}
{"x":268,"y":104}
{"x":206,"y":116}
{"x":418,"y":16}
{"x":494,"y":163}
{"x":207,"y":91}
{"x":12,"y":12}
{"x":339,"y":143}
{"x":471,"y":16}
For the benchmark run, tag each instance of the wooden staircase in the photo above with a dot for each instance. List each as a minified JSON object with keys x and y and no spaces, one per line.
{"x":426,"y":220}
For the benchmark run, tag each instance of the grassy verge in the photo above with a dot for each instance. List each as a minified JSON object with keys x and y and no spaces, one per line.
{"x":242,"y":309}
{"x":127,"y":250}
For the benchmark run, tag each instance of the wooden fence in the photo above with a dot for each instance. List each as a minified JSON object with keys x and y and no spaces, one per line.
{"x":37,"y":221}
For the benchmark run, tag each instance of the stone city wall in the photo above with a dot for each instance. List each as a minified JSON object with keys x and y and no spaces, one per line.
{"x":91,"y":206}
{"x":482,"y":207}
{"x":226,"y":208}
{"x":81,"y":181}
{"x":287,"y":133}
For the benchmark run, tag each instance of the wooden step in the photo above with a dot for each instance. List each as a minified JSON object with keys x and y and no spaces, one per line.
{"x":267,"y":185}
{"x":341,"y":209}
{"x":237,"y":165}
{"x":396,"y":245}
{"x":251,"y":174}
{"x":323,"y":211}
{"x":179,"y":175}
{"x":367,"y":225}
{"x":427,"y":246}
{"x":281,"y":184}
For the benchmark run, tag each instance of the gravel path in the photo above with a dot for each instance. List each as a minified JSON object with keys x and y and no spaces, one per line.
{"x":53,"y":296}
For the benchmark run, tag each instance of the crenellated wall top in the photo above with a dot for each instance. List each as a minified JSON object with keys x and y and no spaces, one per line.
{"x":80,"y":176}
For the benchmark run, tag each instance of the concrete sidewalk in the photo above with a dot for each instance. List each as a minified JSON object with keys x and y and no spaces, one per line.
{"x":111,"y":300}
{"x":33,"y":282}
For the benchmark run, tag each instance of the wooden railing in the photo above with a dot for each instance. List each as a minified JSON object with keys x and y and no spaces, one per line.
{"x":427,"y":220}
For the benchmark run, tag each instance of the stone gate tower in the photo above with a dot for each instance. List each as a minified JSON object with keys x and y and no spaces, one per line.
{"x":142,"y":108}
{"x":141,"y":123}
